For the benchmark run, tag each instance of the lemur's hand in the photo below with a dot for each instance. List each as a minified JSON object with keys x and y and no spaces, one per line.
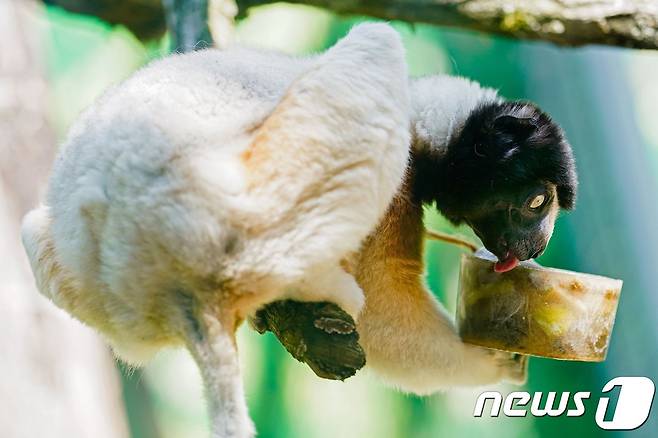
{"x":513,"y":365}
{"x":321,"y":335}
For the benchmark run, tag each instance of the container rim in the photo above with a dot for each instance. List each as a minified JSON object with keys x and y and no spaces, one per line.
{"x":539,"y":268}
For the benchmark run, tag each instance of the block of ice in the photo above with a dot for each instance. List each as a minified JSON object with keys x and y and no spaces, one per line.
{"x":536,"y":310}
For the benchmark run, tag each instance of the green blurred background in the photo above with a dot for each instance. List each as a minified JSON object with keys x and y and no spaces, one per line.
{"x":607,"y":101}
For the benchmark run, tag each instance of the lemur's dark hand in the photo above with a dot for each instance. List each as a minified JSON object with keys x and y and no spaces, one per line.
{"x":321,"y":335}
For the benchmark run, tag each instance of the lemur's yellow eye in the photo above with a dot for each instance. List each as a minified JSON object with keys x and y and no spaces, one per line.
{"x":537,"y":201}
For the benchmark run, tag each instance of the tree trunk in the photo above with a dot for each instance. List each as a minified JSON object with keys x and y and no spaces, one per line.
{"x":56,"y":378}
{"x":187,"y":21}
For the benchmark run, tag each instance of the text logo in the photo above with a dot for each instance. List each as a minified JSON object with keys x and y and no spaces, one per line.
{"x":631,"y":411}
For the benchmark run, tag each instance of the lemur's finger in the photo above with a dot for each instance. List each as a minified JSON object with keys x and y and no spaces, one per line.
{"x":334,"y":325}
{"x":515,"y":368}
{"x":258,"y":322}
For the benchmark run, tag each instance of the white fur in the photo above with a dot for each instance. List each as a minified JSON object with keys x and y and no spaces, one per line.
{"x":211,"y":183}
{"x":440,"y":106}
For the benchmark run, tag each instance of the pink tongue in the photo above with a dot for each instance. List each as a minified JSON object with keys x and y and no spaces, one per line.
{"x":506,"y":265}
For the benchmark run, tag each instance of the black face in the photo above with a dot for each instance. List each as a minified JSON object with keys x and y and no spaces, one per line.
{"x":518,"y":224}
{"x":506,"y":175}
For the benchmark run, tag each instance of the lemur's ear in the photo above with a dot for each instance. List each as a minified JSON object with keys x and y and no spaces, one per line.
{"x":505,"y":135}
{"x":519,"y":128}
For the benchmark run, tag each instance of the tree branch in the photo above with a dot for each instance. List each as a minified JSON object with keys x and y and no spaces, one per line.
{"x":627,"y":23}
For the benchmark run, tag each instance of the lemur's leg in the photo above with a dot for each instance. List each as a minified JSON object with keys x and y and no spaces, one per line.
{"x":210,"y":337}
{"x":412,"y":343}
{"x":322,"y":168}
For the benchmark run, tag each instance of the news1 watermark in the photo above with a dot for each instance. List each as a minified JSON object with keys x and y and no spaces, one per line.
{"x":634,"y":402}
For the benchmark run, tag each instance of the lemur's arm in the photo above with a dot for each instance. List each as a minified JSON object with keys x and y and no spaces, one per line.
{"x":408,"y":337}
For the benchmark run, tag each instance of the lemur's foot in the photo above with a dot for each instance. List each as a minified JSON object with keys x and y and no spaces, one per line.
{"x":321,"y":335}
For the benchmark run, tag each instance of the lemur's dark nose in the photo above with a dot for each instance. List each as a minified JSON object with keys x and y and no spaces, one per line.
{"x":502,"y":243}
{"x":501,"y":248}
